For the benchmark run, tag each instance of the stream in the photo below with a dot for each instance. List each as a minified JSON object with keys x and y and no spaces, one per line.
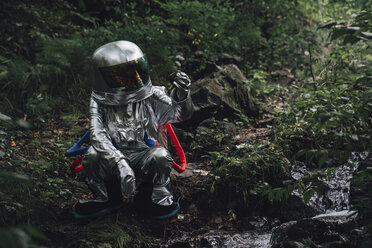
{"x":332,"y":208}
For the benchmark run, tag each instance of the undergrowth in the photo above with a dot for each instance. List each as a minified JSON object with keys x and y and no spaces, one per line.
{"x":44,"y":63}
{"x":44,"y":71}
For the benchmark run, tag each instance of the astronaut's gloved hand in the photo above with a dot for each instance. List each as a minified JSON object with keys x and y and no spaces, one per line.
{"x":182,"y":84}
{"x":127,"y":178}
{"x":181,"y":80}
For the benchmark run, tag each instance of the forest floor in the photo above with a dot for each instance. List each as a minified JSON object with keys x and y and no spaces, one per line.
{"x":41,"y":154}
{"x":37,"y":147}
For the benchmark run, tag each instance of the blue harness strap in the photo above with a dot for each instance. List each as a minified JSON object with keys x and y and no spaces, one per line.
{"x":149,"y":142}
{"x":75,"y":149}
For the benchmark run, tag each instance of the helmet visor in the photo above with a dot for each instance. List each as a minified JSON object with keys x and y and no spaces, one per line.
{"x":127,"y":76}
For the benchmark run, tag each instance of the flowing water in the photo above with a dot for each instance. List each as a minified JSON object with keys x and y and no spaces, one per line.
{"x":245,"y":239}
{"x":220,"y":239}
{"x":336,"y":196}
{"x":333,"y":206}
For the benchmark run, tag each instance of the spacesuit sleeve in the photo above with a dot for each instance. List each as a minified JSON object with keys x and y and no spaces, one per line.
{"x":113,"y":160}
{"x":100,"y":139}
{"x":174,"y":108}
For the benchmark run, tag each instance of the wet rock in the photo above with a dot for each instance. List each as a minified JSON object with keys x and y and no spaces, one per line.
{"x":247,"y":240}
{"x":313,"y":229}
{"x":335,"y":223}
{"x":212,"y":95}
{"x":224,"y":59}
{"x":222,"y":239}
{"x":366,"y":161}
{"x":336,"y":191}
{"x":257,"y":223}
{"x":288,"y":244}
{"x":299,"y":170}
{"x":302,"y":229}
{"x":189,"y":172}
{"x":330,"y":227}
{"x":180,"y":244}
{"x":280,"y":233}
{"x":360,"y":190}
{"x":295,"y":208}
{"x":211,"y":241}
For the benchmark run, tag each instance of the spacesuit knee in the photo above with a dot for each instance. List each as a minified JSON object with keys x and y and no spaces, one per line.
{"x":160,"y":159}
{"x":155,"y":165}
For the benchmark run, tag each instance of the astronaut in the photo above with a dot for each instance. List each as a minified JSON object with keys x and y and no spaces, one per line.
{"x":124,"y":107}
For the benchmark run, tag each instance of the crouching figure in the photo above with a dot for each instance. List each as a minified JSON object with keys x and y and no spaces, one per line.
{"x":125,"y":110}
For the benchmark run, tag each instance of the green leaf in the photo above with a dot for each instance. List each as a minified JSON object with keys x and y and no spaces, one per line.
{"x":308,"y":194}
{"x":15,"y":238}
{"x":364,"y":79}
{"x":300,"y":153}
{"x":12,"y":176}
{"x":354,"y":137}
{"x":33,"y":232}
{"x":327,"y":25}
{"x":270,"y":196}
{"x":5,"y":117}
{"x":367,"y":35}
{"x":323,"y":158}
{"x":323,"y":117}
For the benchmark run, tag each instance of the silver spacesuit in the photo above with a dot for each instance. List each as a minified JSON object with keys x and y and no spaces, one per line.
{"x":124,"y":105}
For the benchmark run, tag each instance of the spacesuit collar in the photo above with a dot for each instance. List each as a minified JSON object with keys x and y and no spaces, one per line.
{"x":123,"y":97}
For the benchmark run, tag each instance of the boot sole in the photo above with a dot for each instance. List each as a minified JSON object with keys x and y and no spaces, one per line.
{"x":167,"y":216}
{"x":99,"y":213}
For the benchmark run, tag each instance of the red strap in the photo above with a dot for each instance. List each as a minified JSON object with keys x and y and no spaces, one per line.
{"x":179,"y":149}
{"x":76,"y":166}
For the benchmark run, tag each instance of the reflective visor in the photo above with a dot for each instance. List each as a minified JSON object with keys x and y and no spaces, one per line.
{"x":128,"y":76}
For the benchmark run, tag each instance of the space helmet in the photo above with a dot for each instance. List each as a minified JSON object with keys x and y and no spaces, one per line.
{"x":119,"y":66}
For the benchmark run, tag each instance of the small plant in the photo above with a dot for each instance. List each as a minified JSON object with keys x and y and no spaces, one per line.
{"x":252,"y":172}
{"x":103,"y":233}
{"x":16,"y":206}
